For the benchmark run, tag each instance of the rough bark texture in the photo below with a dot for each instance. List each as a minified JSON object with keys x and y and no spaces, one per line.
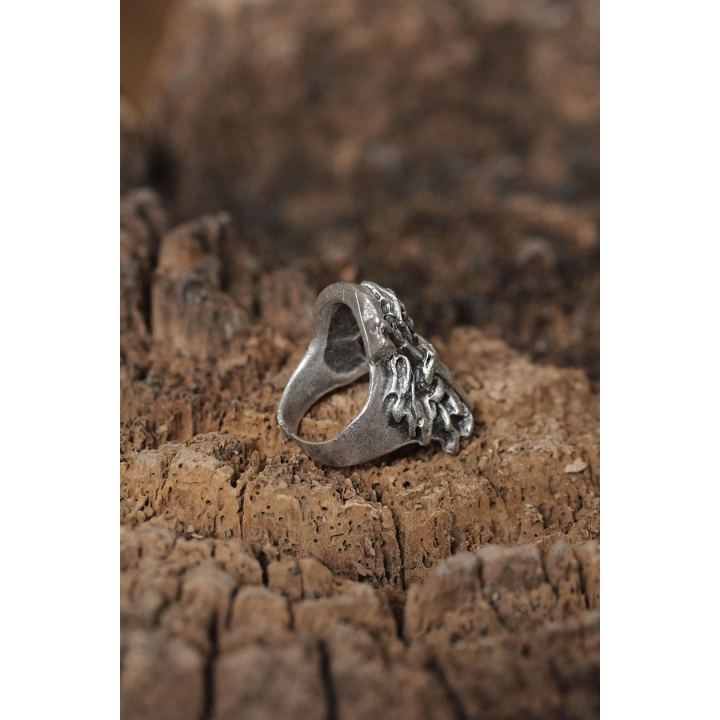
{"x":447,"y":150}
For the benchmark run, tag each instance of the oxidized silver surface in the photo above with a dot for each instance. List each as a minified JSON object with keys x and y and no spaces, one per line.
{"x":412,"y":397}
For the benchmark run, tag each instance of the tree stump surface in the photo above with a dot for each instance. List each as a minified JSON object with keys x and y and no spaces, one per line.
{"x":445,"y":150}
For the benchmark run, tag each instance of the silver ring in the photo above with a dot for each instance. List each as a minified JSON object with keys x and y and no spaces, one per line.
{"x":412,"y":397}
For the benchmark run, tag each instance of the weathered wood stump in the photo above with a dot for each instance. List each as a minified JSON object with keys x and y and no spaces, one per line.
{"x":447,"y":151}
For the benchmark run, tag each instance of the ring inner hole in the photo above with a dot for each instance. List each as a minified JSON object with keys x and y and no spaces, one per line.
{"x":344,"y":351}
{"x":345,"y":355}
{"x":333,"y":412}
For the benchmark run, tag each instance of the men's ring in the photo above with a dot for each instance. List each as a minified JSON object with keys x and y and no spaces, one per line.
{"x":412,"y":397}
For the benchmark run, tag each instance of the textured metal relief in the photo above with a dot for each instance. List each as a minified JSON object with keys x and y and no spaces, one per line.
{"x":418,"y":387}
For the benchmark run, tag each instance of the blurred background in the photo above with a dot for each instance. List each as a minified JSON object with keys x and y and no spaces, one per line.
{"x":141,"y":26}
{"x":446,"y":149}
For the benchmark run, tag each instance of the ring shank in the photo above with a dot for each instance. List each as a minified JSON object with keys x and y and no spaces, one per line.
{"x":337,"y":356}
{"x":364,"y":439}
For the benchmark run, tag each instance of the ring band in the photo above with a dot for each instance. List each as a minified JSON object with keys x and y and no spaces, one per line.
{"x":412,"y":397}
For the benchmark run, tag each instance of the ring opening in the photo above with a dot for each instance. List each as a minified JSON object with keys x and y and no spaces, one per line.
{"x":334,"y":411}
{"x":344,"y":350}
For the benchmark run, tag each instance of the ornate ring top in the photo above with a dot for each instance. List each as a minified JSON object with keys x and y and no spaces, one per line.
{"x":418,"y":386}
